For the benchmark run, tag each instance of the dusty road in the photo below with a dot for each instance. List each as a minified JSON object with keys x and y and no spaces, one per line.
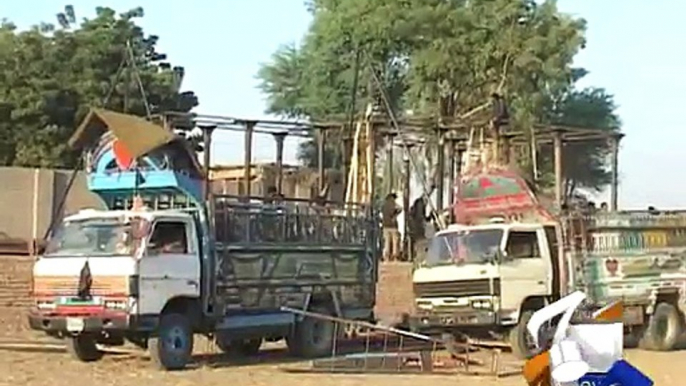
{"x":55,"y":368}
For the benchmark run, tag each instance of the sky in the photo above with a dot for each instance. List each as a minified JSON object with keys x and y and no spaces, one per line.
{"x":633,"y":50}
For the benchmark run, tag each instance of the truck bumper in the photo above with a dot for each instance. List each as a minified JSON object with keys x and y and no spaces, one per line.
{"x":61,"y":324}
{"x":441,"y":321}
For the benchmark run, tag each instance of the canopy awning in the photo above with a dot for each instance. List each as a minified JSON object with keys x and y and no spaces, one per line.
{"x":137,"y":134}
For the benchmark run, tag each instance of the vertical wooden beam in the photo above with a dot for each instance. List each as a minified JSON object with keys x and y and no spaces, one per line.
{"x":389,"y":160}
{"x":247,"y":149}
{"x":321,"y":146}
{"x":206,"y":152}
{"x":279,"y":139}
{"x":407,"y":180}
{"x":452,"y":143}
{"x":506,"y":155}
{"x":372,"y":163}
{"x":347,"y":155}
{"x":614,"y":170}
{"x":440,"y":165}
{"x":557,"y":150}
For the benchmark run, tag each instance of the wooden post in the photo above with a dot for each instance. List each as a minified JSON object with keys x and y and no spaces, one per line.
{"x":440,"y":165}
{"x":557,"y":150}
{"x":206,"y":150}
{"x":614,"y":165}
{"x":452,"y":143}
{"x":389,"y":161}
{"x":247,"y":177}
{"x":279,"y":138}
{"x":321,"y":146}
{"x":407,"y":180}
{"x":347,"y":154}
{"x":506,"y":155}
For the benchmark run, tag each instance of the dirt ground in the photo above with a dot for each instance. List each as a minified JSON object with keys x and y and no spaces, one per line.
{"x":50,"y":365}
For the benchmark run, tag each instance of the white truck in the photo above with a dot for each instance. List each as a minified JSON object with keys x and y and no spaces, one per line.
{"x":492,"y":277}
{"x":508,"y":256}
{"x":157,"y":277}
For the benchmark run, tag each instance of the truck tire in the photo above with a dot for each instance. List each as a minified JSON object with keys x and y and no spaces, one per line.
{"x":520,"y":340}
{"x":312,"y":337}
{"x":172,"y":347}
{"x":83,"y":348}
{"x":663,"y":329}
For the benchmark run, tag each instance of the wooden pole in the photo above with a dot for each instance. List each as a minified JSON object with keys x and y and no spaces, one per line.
{"x":389,"y":161}
{"x":279,"y":138}
{"x":440,"y":165}
{"x":452,"y":143}
{"x":321,"y":146}
{"x":407,"y":179}
{"x":207,"y":150}
{"x":247,"y":177}
{"x":614,"y":164}
{"x":557,"y":150}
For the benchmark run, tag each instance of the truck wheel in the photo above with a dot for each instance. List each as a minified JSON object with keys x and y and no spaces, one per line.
{"x":172,"y":347}
{"x":663,"y":330}
{"x":312,"y":337}
{"x":522,"y":343}
{"x":83,"y":348}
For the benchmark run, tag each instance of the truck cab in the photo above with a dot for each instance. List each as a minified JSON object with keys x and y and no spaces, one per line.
{"x":106,"y":275}
{"x":489,"y":276}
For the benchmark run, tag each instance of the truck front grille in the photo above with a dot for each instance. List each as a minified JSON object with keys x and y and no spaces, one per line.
{"x":457,"y":288}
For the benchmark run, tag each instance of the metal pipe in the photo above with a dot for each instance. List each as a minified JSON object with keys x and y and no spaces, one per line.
{"x":361,"y":324}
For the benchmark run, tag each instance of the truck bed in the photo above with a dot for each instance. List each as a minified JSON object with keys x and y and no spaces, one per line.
{"x":627,"y":255}
{"x":279,"y":254}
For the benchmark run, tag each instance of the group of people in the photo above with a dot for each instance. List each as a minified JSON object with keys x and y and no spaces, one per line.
{"x":417,"y":221}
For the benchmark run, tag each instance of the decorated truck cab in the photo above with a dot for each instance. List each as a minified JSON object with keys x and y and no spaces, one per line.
{"x":164,"y":262}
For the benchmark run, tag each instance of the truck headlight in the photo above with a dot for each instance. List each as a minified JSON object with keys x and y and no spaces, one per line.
{"x":482,"y":304}
{"x":116,"y":305}
{"x":45,"y":305}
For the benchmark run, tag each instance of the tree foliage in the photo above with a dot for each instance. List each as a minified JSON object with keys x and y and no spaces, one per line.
{"x":442,"y":58}
{"x":50,"y":76}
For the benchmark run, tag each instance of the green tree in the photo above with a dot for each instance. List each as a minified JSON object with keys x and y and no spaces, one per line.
{"x":50,"y":76}
{"x":437,"y":58}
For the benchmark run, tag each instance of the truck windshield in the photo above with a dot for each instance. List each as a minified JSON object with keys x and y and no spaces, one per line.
{"x":94,"y":237}
{"x":468,"y":246}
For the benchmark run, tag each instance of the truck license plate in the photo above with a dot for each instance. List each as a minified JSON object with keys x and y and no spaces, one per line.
{"x":75,"y":324}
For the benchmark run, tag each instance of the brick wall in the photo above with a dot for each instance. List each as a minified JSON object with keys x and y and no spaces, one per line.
{"x":394,"y":291}
{"x":15,"y":281}
{"x":30,"y":198}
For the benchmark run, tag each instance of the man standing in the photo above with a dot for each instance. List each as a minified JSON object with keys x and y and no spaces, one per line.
{"x":389,"y":221}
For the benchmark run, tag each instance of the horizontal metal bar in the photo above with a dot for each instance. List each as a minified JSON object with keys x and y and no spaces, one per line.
{"x":361,"y":324}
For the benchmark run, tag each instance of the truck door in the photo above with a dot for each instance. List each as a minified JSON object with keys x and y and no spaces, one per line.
{"x":523,"y":269}
{"x":170,"y":267}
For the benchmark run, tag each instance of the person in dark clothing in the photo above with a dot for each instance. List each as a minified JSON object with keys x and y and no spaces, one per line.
{"x":389,"y":220}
